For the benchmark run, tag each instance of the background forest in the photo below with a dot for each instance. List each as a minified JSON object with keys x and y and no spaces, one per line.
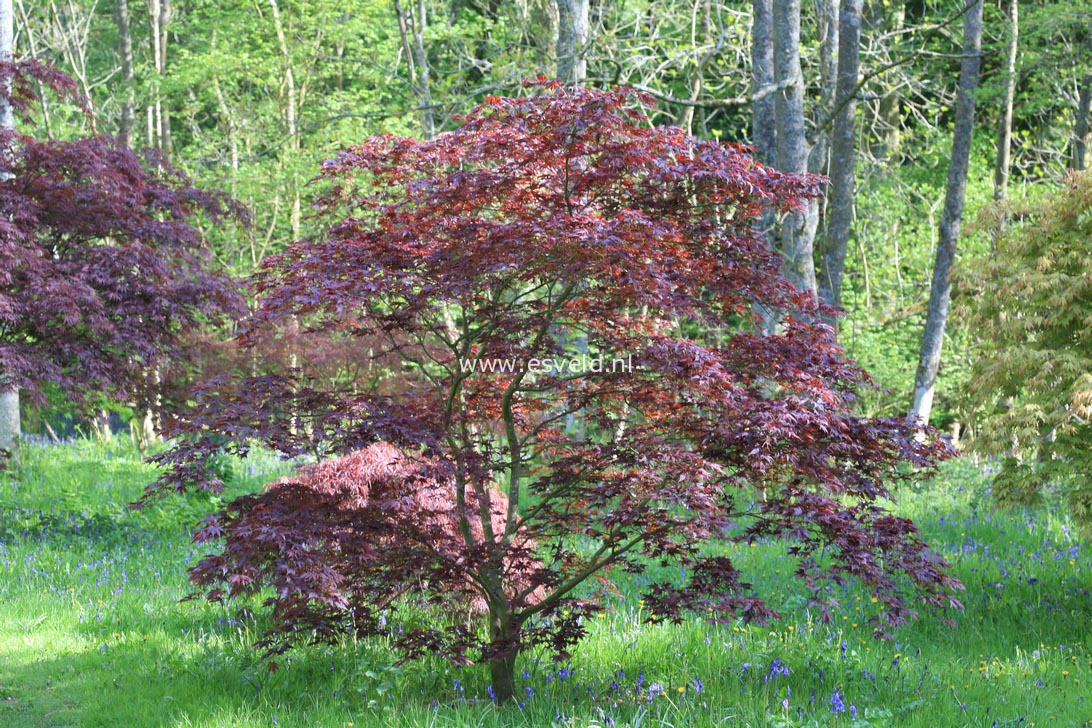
{"x":249,"y":97}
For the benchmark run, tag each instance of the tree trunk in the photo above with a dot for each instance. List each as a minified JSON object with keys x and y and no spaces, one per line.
{"x":417,"y":63}
{"x":763,"y":129}
{"x":1078,"y":157}
{"x":502,"y":673}
{"x":502,"y":631}
{"x":941,"y":291}
{"x":35,"y":52}
{"x":572,"y":39}
{"x":885,"y":125}
{"x":797,"y":232}
{"x":702,"y":36}
{"x":842,"y":155}
{"x":1004,"y":128}
{"x":10,"y":429}
{"x":125,"y":51}
{"x":764,"y":124}
{"x":819,"y":154}
{"x":159,"y":121}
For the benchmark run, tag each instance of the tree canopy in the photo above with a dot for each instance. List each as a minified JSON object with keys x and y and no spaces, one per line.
{"x":477,"y":258}
{"x":1031,"y":384}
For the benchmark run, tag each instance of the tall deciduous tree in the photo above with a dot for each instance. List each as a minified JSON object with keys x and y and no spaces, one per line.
{"x":843,"y":155}
{"x":763,"y":118}
{"x":101,"y":268}
{"x":1004,"y":123}
{"x":1078,"y":157}
{"x":572,"y":41}
{"x":10,"y":429}
{"x":464,"y":253}
{"x":940,"y":292}
{"x":796,"y":234}
{"x":125,"y":56}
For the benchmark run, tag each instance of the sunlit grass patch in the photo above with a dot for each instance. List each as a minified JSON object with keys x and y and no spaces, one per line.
{"x":92,"y":632}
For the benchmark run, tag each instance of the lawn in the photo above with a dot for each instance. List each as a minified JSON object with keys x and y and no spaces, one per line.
{"x":93,"y":633}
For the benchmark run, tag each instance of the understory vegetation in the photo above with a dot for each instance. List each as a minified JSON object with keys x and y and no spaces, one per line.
{"x":93,"y":634}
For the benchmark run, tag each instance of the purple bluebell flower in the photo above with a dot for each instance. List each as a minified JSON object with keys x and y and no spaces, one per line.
{"x":777,"y":668}
{"x":489,"y":691}
{"x":837,"y":705}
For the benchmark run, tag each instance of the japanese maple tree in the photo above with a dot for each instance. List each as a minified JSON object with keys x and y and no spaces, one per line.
{"x":480,"y":257}
{"x":102,"y":267}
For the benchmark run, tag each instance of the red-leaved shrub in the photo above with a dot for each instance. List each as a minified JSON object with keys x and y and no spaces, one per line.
{"x":323,"y":541}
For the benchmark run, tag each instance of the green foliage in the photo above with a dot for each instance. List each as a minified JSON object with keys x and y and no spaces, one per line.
{"x":889,"y":268}
{"x":1030,"y":305}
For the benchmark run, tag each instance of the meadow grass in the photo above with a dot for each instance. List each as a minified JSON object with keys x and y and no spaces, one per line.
{"x":92,"y":632}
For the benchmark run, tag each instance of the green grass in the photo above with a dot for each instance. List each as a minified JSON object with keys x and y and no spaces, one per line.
{"x":92,"y":632}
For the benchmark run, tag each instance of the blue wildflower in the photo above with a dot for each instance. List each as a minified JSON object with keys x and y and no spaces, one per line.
{"x":777,"y":668}
{"x":837,"y":705}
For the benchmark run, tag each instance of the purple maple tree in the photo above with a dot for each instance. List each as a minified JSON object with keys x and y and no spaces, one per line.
{"x":508,"y":265}
{"x":102,"y":269}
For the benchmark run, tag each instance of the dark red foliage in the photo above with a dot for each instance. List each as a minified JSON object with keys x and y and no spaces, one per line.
{"x":323,"y":540}
{"x":541,"y":226}
{"x":101,"y":266}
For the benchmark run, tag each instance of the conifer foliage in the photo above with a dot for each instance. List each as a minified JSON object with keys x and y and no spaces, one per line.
{"x":509,"y":264}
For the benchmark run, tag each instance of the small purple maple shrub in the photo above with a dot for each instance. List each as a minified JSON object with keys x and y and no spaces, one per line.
{"x":542,"y":230}
{"x":102,"y":266}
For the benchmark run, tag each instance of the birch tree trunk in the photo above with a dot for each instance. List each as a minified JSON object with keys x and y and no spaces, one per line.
{"x":797,"y":231}
{"x":572,"y":39}
{"x":1004,"y":128}
{"x":702,"y":34}
{"x":10,"y":429}
{"x":819,"y":153}
{"x":883,"y":17}
{"x":159,"y":120}
{"x":843,"y":155}
{"x":940,"y":293}
{"x":1078,"y":156}
{"x":417,"y":63}
{"x":763,"y":123}
{"x":125,"y":53}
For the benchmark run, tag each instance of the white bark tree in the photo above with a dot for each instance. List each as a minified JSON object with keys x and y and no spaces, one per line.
{"x":843,"y":155}
{"x":796,"y":234}
{"x":9,"y":395}
{"x":940,"y":293}
{"x":1004,"y":129}
{"x":572,"y":41}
